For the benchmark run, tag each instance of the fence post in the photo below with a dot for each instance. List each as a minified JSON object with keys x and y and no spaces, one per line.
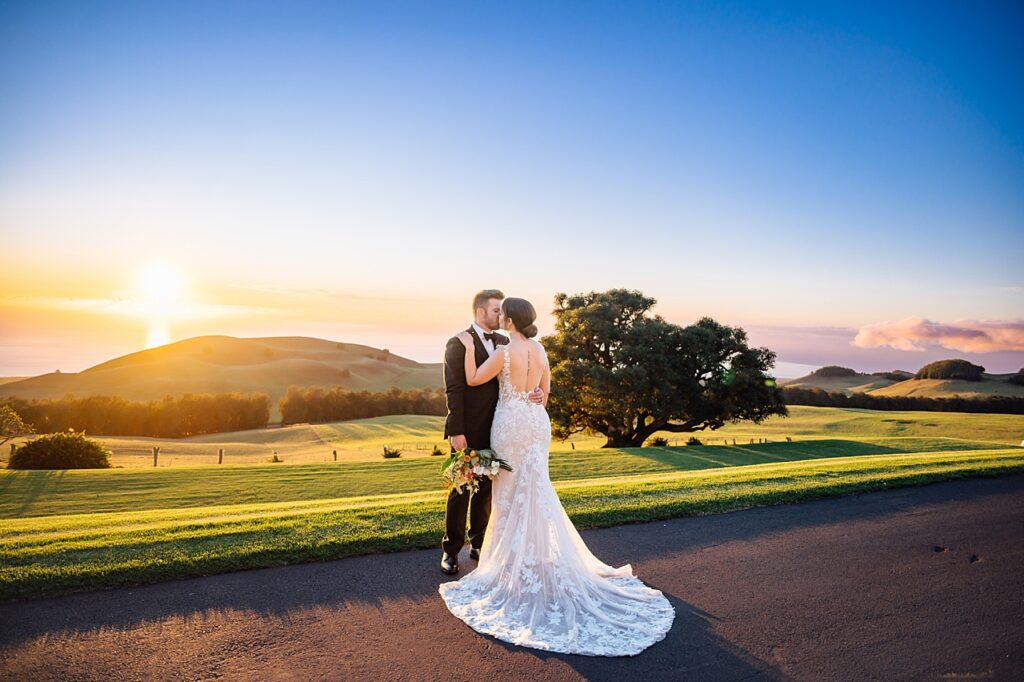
{"x":335,"y":455}
{"x":156,"y":451}
{"x":220,"y":456}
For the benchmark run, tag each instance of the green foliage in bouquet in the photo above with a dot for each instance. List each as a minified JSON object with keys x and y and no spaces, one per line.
{"x":464,"y":468}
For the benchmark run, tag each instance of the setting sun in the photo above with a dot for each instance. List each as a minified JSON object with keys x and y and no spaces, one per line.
{"x":159,"y":289}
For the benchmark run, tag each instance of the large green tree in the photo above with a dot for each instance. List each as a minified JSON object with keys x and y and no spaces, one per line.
{"x":621,"y":372}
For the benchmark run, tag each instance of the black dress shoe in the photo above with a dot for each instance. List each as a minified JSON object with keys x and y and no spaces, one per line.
{"x":449,"y":564}
{"x":474,"y":554}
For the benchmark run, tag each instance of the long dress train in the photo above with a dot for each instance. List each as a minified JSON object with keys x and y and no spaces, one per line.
{"x":537,"y":584}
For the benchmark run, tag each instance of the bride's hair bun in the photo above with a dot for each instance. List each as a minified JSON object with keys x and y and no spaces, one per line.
{"x":522,"y":314}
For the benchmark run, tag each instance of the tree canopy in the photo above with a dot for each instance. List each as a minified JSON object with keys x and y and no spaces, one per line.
{"x":951,"y":369}
{"x":618,"y":371}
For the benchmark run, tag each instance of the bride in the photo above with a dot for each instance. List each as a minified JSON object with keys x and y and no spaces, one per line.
{"x":536,"y":583}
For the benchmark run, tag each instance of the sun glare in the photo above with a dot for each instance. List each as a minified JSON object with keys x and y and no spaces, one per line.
{"x":159,"y":284}
{"x":159,"y":289}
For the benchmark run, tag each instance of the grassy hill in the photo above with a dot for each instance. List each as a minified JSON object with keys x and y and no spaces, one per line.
{"x":861,"y":383}
{"x":992,"y":384}
{"x":873,"y":384}
{"x":217,"y":364}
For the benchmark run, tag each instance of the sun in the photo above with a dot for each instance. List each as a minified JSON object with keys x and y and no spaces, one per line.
{"x":159,"y":289}
{"x":159,"y":284}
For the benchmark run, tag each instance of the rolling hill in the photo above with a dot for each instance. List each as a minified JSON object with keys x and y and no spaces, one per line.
{"x":877,"y":384}
{"x":219,"y":364}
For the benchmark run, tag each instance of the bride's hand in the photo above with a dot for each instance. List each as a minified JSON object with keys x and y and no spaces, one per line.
{"x":467,"y":339}
{"x":537,"y":395}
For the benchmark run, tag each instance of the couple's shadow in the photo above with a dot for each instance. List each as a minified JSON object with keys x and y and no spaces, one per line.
{"x":691,"y":650}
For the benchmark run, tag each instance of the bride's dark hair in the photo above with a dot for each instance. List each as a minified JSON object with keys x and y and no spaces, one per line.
{"x":522,"y":314}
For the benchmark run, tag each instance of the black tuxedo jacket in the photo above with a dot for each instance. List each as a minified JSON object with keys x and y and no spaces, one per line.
{"x":470,"y":408}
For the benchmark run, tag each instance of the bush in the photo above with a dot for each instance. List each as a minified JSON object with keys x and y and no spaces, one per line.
{"x":834,"y":371}
{"x":1017,"y":378}
{"x":694,"y":441}
{"x":437,"y":452}
{"x":657,"y":442}
{"x":65,"y":450}
{"x":951,"y":369}
{"x":391,"y":453}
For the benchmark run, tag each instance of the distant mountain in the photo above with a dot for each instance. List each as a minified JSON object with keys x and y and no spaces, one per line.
{"x":902,"y":383}
{"x":220,"y":364}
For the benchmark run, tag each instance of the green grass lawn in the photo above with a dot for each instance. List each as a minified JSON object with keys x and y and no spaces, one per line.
{"x":50,"y":555}
{"x":72,"y":530}
{"x":363,"y":439}
{"x":38,"y":493}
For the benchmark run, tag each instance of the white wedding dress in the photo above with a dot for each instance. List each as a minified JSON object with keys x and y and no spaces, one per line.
{"x":537,"y":584}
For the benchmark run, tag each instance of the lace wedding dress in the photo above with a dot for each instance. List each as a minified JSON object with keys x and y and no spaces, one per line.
{"x":537,"y":584}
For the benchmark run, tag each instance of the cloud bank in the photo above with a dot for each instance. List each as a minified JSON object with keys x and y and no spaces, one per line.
{"x":970,"y":336}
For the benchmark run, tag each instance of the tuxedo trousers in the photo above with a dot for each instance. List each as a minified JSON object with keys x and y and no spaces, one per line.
{"x":478,"y":507}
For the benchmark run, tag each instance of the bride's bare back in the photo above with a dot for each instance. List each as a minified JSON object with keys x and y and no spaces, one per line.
{"x":528,"y":365}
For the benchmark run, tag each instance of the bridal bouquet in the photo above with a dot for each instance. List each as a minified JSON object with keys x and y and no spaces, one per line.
{"x":466,"y":467}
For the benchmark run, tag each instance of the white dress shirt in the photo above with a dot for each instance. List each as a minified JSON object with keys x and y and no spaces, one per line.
{"x":489,"y":345}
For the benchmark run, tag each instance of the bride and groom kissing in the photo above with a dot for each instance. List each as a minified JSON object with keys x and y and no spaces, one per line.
{"x":535,"y":583}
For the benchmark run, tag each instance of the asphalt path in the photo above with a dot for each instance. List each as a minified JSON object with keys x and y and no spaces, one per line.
{"x":922,"y":583}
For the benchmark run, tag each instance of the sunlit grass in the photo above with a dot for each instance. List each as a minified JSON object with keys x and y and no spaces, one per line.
{"x":55,"y":554}
{"x":35,"y":493}
{"x":362,"y":439}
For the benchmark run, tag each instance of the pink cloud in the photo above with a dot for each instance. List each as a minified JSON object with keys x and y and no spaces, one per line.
{"x":970,"y":336}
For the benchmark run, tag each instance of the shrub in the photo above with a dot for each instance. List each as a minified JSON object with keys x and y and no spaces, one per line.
{"x":65,"y":450}
{"x":275,"y":459}
{"x":694,"y":441}
{"x":437,"y":452}
{"x":391,"y":453}
{"x":951,"y":369}
{"x":657,"y":442}
{"x":1017,"y":378}
{"x":834,"y":371}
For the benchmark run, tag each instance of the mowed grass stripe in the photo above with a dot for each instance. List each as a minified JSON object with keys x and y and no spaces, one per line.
{"x":81,"y":526}
{"x":61,"y":564}
{"x":45,"y":493}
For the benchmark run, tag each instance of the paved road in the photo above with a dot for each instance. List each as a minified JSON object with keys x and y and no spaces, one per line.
{"x":918,"y":583}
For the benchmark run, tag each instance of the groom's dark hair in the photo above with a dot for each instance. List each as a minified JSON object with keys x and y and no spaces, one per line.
{"x":480,"y":300}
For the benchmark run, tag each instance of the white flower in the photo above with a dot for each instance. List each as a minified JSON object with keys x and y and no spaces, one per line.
{"x":478,"y":470}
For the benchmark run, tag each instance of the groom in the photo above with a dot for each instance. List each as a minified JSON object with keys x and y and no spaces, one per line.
{"x":468,"y":424}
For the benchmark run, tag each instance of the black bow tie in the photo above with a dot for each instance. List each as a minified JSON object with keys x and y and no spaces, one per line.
{"x":490,"y":336}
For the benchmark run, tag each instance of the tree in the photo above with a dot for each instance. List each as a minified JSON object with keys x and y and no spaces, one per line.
{"x":834,"y":371}
{"x":951,"y":369}
{"x":619,"y":372}
{"x":11,"y":424}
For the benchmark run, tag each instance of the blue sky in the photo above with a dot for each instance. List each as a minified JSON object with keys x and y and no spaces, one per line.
{"x":808,"y":165}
